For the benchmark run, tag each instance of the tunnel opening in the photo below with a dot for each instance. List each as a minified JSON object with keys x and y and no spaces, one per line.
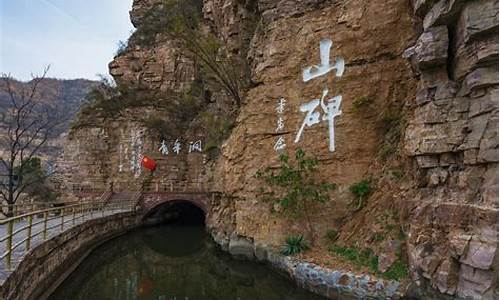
{"x":183,"y":213}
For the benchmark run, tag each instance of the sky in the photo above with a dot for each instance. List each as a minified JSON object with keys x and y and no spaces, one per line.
{"x":77,"y":38}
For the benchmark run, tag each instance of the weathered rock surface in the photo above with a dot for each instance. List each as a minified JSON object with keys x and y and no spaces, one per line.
{"x":454,"y":138}
{"x":448,"y":85}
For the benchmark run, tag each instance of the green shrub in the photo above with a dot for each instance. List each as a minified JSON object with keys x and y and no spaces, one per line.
{"x":364,"y":258}
{"x":332,"y":235}
{"x":294,"y":245}
{"x":295,"y":188}
{"x":397,"y":271}
{"x":361,"y":190}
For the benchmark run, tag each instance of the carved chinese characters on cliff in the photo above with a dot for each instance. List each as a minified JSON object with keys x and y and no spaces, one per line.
{"x":131,"y":152}
{"x":177,"y":147}
{"x":280,"y":125}
{"x":326,"y":108}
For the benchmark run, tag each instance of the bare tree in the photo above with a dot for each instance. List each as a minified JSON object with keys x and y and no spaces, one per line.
{"x":26,"y":123}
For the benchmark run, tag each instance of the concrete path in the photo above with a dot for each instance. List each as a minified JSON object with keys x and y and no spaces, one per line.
{"x":53,"y":229}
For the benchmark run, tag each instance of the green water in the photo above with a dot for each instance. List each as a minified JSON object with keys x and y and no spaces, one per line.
{"x":164,"y":263}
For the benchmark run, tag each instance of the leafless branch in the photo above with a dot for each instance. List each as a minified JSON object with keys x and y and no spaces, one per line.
{"x":28,"y":124}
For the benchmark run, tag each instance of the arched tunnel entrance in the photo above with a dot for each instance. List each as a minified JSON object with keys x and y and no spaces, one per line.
{"x":176,"y":212}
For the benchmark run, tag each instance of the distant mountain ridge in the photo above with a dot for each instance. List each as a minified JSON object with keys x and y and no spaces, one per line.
{"x":65,"y":95}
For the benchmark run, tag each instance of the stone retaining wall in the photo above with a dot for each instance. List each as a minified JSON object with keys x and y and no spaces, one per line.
{"x":323,"y":281}
{"x":48,"y":264}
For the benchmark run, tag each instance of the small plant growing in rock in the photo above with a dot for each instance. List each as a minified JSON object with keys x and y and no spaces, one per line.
{"x":332,"y":235}
{"x":294,"y":245}
{"x":361,"y":102}
{"x":364,"y":258}
{"x":361,"y":190}
{"x":397,"y":271}
{"x":294,"y":187}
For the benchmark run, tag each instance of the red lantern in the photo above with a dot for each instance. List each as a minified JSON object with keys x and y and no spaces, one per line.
{"x":149,"y":163}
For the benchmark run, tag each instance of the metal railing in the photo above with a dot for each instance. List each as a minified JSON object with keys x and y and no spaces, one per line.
{"x":23,"y":208}
{"x":41,"y":223}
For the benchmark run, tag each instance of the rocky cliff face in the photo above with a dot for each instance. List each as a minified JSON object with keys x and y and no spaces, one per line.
{"x":453,"y":139}
{"x":418,"y":117}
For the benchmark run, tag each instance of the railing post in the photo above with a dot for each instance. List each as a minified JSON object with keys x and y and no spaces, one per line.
{"x":74,"y":215}
{"x":10,"y":228}
{"x":45,"y":220}
{"x":91,"y":212}
{"x":28,"y":240}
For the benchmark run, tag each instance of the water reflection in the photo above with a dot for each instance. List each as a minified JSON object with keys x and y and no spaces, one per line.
{"x":164,"y":263}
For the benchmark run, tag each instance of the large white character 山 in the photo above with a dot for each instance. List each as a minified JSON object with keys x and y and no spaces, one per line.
{"x":331,"y":110}
{"x":324,"y":68}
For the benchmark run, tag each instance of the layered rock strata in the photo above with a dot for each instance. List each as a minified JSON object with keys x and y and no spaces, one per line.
{"x":453,"y":138}
{"x":428,"y":70}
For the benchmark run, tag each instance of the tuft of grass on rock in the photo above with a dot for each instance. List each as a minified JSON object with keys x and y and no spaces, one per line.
{"x":397,"y":271}
{"x":364,"y":258}
{"x":294,"y":245}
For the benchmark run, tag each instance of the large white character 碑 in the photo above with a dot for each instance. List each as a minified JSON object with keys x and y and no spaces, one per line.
{"x":331,"y":110}
{"x":324,"y":68}
{"x":280,"y":144}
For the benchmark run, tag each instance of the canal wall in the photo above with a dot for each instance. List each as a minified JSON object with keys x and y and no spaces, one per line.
{"x":323,"y":281}
{"x":48,"y":264}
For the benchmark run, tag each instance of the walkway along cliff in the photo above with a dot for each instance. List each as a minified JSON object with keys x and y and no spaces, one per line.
{"x":401,"y":96}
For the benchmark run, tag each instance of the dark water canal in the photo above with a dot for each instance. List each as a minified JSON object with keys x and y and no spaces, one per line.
{"x":172,"y":262}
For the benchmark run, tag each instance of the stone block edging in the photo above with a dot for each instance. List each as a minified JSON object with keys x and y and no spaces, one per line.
{"x":322,"y":281}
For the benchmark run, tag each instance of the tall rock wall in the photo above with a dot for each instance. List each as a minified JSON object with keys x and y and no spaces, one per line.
{"x":370,"y":38}
{"x":453,"y":139}
{"x":418,"y":117}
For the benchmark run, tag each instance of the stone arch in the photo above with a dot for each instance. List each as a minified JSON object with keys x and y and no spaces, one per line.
{"x":185,"y":211}
{"x":173,"y":202}
{"x":151,"y":201}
